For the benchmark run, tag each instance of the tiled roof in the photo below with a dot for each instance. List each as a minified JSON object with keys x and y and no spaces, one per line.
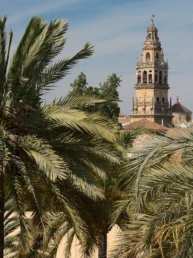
{"x":146,"y":124}
{"x":124,"y":120}
{"x":178,"y":132}
{"x":179,"y":108}
{"x":122,"y":114}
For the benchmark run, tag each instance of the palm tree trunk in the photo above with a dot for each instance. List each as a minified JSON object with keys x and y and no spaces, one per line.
{"x":102,"y":251}
{"x":1,"y":214}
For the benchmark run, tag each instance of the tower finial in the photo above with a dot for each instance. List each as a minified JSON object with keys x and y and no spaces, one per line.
{"x":152,"y":19}
{"x":177,"y":100}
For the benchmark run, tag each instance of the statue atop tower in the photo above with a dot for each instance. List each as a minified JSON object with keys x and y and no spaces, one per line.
{"x":151,"y":101}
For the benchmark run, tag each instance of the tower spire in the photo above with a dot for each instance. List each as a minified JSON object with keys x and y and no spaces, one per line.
{"x":177,"y":100}
{"x":152,"y":19}
{"x":152,"y":34}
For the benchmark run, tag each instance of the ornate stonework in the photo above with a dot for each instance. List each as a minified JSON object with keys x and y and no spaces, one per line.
{"x":151,"y":86}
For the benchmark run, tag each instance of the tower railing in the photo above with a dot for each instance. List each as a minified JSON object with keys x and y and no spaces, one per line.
{"x":151,"y":84}
{"x":153,"y":112}
{"x":149,"y":103}
{"x":149,"y":65}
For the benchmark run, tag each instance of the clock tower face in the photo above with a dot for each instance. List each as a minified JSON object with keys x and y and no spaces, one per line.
{"x":151,"y":100}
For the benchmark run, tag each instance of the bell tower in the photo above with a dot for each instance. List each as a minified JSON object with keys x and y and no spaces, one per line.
{"x":151,"y":101}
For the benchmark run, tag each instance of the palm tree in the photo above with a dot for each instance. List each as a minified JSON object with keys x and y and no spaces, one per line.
{"x":94,"y":213}
{"x":113,"y":195}
{"x":161,"y":200}
{"x":43,"y":146}
{"x":11,"y":229}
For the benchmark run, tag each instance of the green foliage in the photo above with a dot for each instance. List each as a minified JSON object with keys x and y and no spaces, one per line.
{"x":80,"y":84}
{"x":108,"y":91}
{"x":52,"y":154}
{"x":11,"y":229}
{"x":158,"y":196}
{"x":187,"y":118}
{"x":127,"y":138}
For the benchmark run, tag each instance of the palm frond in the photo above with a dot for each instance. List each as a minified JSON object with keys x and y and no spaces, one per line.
{"x":11,"y":228}
{"x":161,"y":176}
{"x":89,"y":189}
{"x":76,"y":100}
{"x":2,"y":54}
{"x":46,"y":159}
{"x":33,"y":30}
{"x":46,"y":46}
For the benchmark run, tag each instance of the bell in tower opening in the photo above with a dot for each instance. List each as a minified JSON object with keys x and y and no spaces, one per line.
{"x":151,"y":86}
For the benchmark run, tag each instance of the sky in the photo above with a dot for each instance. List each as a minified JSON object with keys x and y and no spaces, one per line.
{"x":117,"y":30}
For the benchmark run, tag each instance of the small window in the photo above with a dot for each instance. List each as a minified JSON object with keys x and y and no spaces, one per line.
{"x":160,"y":77}
{"x":165,"y":79}
{"x":144,"y":77}
{"x":156,"y":78}
{"x":163,"y":100}
{"x":150,"y":78}
{"x":147,"y":57}
{"x":139,"y":79}
{"x":157,"y":99}
{"x":157,"y":57}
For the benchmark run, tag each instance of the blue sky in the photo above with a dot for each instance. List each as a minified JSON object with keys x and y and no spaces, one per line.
{"x":117,"y":29}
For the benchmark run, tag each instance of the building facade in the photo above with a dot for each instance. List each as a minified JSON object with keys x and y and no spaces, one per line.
{"x":180,"y":113}
{"x":151,"y":101}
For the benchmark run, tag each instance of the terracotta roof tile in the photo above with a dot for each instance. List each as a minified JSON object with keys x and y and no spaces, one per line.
{"x":124,"y":120}
{"x":122,"y":114}
{"x":177,"y":132}
{"x":146,"y":124}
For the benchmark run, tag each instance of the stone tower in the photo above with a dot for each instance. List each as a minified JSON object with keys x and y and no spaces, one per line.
{"x":151,"y":86}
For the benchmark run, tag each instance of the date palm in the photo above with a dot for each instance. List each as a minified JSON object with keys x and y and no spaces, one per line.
{"x":47,"y":149}
{"x":95,"y":214}
{"x":11,"y":229}
{"x":160,"y":199}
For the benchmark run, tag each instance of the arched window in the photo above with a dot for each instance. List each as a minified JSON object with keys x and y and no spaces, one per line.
{"x":163,"y":100}
{"x":139,"y":79}
{"x":144,"y":77}
{"x":160,"y":77}
{"x":147,"y":57}
{"x":157,"y":99}
{"x":165,"y":79}
{"x":155,"y":78}
{"x":157,"y":57}
{"x":150,"y":78}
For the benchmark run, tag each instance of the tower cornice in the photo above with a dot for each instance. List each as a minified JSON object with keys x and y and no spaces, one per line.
{"x":152,"y":86}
